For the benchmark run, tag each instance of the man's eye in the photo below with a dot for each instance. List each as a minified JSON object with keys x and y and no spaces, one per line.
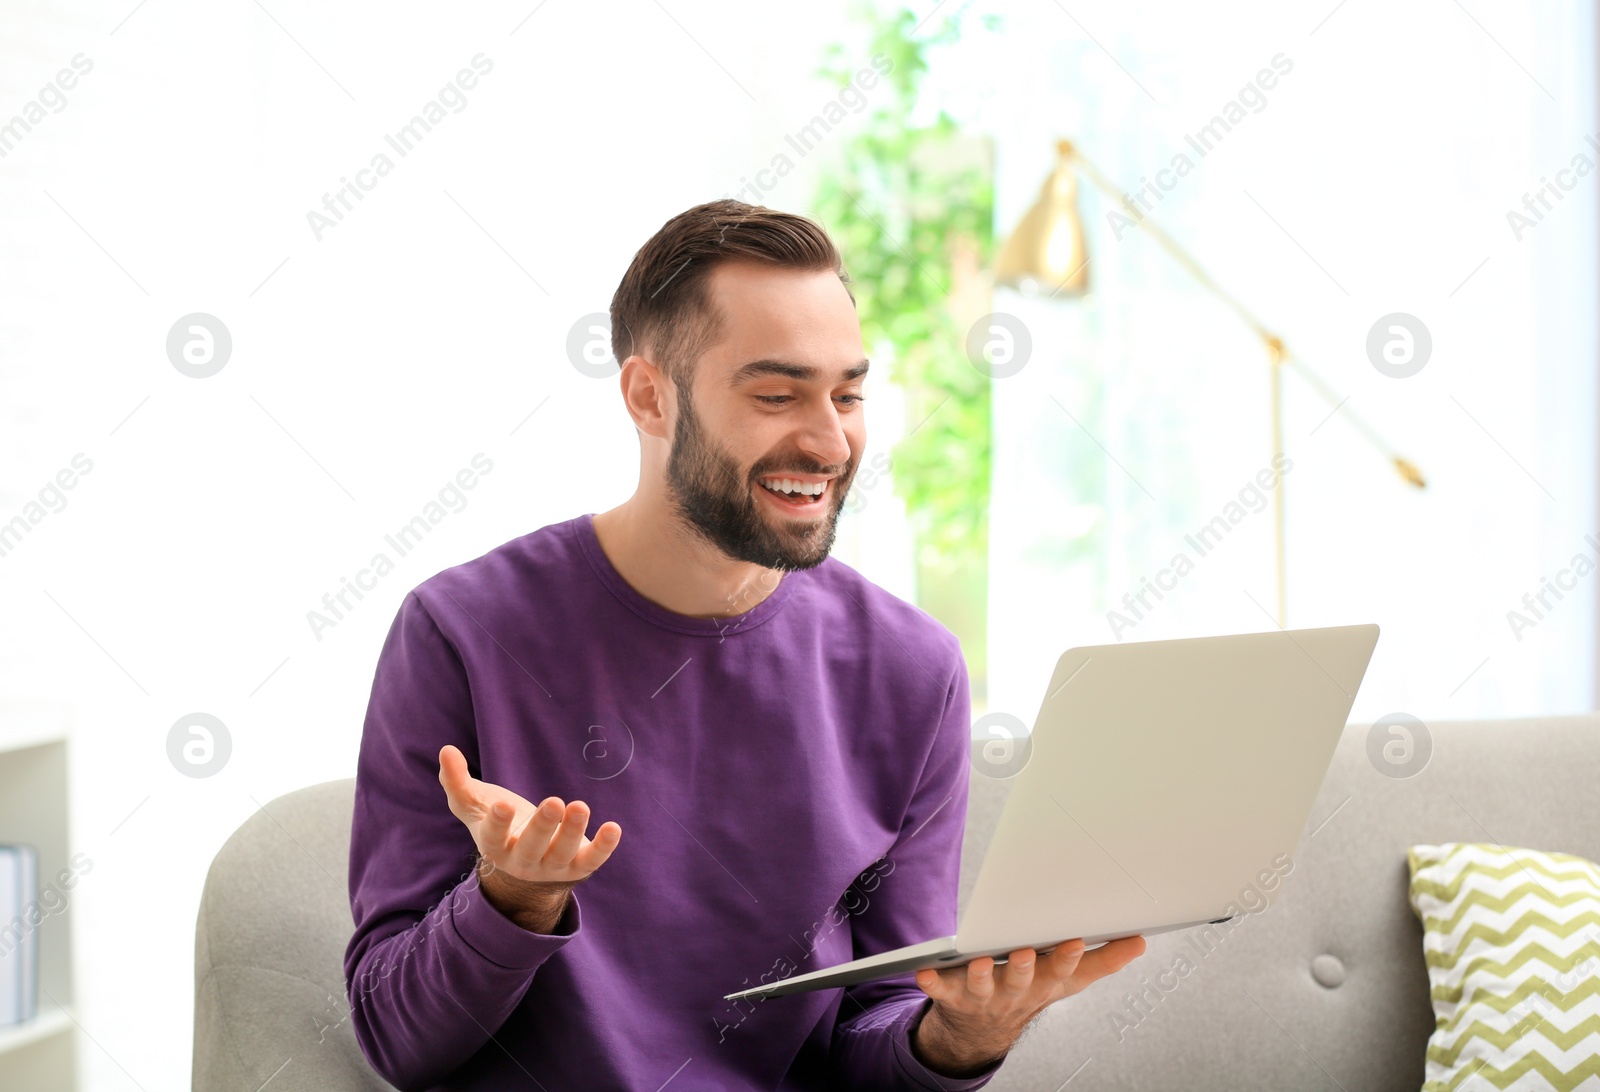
{"x":780,"y":399}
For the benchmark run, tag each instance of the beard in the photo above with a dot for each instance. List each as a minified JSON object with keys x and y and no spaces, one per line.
{"x":718,"y":504}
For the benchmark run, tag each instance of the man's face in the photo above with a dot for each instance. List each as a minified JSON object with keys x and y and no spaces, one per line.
{"x":777,"y":397}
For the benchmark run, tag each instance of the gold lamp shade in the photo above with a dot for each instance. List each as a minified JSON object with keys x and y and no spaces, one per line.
{"x":1045,"y":254}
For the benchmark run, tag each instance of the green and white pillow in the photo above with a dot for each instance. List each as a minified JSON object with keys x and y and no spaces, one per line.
{"x":1512,"y":941}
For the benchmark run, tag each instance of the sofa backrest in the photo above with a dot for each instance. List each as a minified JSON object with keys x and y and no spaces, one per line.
{"x":1325,"y":987}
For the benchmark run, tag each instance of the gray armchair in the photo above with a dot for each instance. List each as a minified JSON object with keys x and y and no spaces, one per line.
{"x":1324,"y":989}
{"x":269,"y":995}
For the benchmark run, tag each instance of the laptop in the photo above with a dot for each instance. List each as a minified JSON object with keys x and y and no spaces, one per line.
{"x":1162,"y":779}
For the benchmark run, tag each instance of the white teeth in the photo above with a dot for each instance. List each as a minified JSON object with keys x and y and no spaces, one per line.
{"x":790,"y":485}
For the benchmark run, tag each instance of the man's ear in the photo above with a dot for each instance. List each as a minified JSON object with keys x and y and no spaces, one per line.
{"x":645,"y":393}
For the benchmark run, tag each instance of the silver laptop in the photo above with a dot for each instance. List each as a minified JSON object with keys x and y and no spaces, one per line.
{"x":1163,"y":778}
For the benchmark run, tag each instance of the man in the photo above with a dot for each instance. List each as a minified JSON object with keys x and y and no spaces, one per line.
{"x":785,"y":744}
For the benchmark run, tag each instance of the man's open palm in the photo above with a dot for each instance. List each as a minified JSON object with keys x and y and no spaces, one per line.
{"x":538,"y":844}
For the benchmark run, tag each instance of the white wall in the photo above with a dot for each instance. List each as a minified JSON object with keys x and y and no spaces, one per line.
{"x":368,"y":367}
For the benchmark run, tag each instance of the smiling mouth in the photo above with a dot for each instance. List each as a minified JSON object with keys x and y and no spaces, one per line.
{"x":792,"y":493}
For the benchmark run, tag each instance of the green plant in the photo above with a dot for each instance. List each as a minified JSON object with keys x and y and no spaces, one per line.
{"x":908,"y":224}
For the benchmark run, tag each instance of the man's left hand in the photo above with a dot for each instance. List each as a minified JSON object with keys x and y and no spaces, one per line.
{"x":980,"y":1010}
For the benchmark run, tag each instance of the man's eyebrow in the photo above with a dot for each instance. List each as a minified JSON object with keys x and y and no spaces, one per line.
{"x":787,"y":369}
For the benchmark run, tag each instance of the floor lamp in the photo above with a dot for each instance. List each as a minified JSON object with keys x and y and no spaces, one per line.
{"x":1047,"y":251}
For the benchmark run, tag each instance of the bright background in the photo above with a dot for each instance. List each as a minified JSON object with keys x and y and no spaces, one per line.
{"x":372,"y":365}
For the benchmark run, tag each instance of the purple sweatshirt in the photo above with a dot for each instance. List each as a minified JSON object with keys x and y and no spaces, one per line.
{"x":791,"y":784}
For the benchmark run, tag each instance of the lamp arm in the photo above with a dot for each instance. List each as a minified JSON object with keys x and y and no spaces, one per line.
{"x":1168,"y":244}
{"x":1406,"y":469}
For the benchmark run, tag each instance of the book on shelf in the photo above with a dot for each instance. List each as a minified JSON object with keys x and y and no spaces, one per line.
{"x":20,"y":915}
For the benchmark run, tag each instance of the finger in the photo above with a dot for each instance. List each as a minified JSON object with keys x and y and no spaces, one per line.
{"x":1111,"y":957}
{"x":569,"y":836}
{"x":534,"y":837}
{"x":980,"y":977}
{"x":456,"y":779}
{"x":494,"y":833}
{"x":1063,"y":960}
{"x":1018,"y":975}
{"x":600,"y":847}
{"x":941,"y":986}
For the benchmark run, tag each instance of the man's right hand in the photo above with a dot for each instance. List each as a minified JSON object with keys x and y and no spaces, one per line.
{"x":529,"y":856}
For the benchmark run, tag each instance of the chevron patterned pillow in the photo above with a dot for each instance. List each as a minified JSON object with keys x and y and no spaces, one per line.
{"x":1512,"y":941}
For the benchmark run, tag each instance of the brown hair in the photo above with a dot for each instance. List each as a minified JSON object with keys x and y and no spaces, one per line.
{"x":663,"y":308}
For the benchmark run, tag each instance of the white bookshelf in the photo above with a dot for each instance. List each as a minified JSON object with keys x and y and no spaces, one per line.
{"x":40,"y":1055}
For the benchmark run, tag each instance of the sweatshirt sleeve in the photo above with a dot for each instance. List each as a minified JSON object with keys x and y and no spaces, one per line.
{"x":912,"y":898}
{"x":432,"y":970}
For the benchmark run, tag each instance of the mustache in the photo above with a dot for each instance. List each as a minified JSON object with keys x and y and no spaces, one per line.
{"x":824,"y":471}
